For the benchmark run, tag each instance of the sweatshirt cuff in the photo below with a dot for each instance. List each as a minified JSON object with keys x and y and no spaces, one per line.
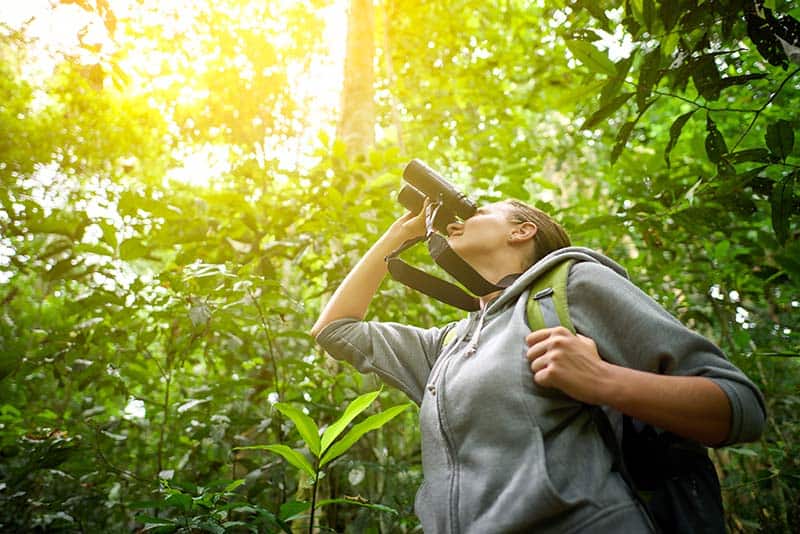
{"x":324,"y":336}
{"x":748,"y":414}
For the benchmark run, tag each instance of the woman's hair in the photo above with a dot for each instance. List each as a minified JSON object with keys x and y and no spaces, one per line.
{"x":550,"y":235}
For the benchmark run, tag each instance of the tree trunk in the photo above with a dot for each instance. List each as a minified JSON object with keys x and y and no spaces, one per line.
{"x":356,"y":125}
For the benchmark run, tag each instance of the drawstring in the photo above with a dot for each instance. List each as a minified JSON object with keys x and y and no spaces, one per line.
{"x":473,"y":343}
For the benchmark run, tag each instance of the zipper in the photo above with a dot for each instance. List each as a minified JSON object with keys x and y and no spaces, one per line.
{"x":473,"y":334}
{"x":448,"y":441}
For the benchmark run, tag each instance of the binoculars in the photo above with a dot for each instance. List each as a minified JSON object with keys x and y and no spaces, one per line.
{"x":424,"y":182}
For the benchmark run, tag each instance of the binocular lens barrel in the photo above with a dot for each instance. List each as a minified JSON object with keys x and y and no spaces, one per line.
{"x":410,"y":197}
{"x":430,"y":184}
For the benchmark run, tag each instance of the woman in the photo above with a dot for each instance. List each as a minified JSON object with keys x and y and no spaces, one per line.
{"x":508,"y":439}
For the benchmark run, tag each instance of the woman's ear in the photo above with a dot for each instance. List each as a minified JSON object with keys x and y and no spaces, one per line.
{"x":524,"y":232}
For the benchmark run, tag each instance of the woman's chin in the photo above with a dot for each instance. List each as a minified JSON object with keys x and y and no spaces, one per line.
{"x":453,"y":243}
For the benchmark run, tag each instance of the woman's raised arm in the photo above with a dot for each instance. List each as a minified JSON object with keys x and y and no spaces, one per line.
{"x":352,"y":297}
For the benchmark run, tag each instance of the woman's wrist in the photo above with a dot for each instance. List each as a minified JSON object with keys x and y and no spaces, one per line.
{"x":397,"y":234}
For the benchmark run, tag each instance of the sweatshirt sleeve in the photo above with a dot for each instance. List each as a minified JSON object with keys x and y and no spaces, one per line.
{"x":401,"y":355}
{"x":632,"y":330}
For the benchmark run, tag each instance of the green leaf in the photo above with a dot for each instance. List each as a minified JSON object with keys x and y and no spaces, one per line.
{"x":600,"y":221}
{"x":789,"y":262}
{"x":513,"y":189}
{"x":649,"y":75}
{"x":60,"y":269}
{"x":233,"y":485}
{"x":151,"y":520}
{"x":372,"y":422}
{"x":577,"y":93}
{"x":763,"y":36}
{"x":715,"y":143}
{"x":179,"y":500}
{"x":129,"y":202}
{"x":290,"y":510}
{"x":546,"y":184}
{"x":741,"y":79}
{"x":637,"y":10}
{"x":594,"y":9}
{"x":670,"y":11}
{"x":109,"y":233}
{"x":780,"y":138}
{"x":290,"y":455}
{"x":359,"y":502}
{"x":356,"y":407}
{"x":133,"y":248}
{"x":725,"y":169}
{"x":648,"y":14}
{"x":675,"y":132}
{"x":760,"y":155}
{"x":706,"y":77}
{"x":208,"y":526}
{"x":305,"y":425}
{"x":622,"y":139}
{"x":154,"y":526}
{"x":613,"y":84}
{"x":782,"y":201}
{"x":606,"y":111}
{"x":594,"y":59}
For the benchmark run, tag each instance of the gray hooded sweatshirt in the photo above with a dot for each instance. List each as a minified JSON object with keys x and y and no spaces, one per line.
{"x":501,"y":454}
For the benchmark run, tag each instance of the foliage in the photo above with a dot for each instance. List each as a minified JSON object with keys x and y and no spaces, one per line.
{"x":153,"y":329}
{"x":326,"y":448}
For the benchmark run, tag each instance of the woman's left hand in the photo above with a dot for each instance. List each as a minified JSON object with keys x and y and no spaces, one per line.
{"x":568,"y":362}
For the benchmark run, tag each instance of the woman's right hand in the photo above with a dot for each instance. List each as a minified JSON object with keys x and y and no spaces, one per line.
{"x":354,"y":294}
{"x":411,"y":225}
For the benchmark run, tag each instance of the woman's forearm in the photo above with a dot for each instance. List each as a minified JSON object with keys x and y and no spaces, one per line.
{"x":352,"y":297}
{"x":690,"y":406}
{"x":693,"y":407}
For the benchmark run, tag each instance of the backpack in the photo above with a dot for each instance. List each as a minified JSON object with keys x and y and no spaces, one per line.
{"x":673,"y":479}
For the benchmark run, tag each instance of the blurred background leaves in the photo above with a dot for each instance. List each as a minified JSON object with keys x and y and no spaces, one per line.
{"x":181,"y":192}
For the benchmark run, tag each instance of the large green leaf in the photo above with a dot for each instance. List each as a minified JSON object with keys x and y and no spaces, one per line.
{"x":782,"y":201}
{"x":372,"y":422}
{"x":675,"y":132}
{"x":60,"y":269}
{"x":604,"y":112}
{"x":358,"y":502}
{"x":760,"y":155}
{"x":621,"y":140}
{"x":780,"y":138}
{"x":649,"y":75}
{"x":290,"y":455}
{"x":715,"y":142}
{"x":292,"y":510}
{"x":706,"y":77}
{"x":305,"y":425}
{"x":589,"y":55}
{"x":132,"y":248}
{"x":670,"y":12}
{"x":351,"y":412}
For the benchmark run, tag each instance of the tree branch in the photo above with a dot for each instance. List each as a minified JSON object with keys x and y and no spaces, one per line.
{"x":762,"y":108}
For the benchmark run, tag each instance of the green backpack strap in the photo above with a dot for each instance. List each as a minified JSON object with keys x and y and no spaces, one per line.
{"x":449,"y":336}
{"x":547,"y":302}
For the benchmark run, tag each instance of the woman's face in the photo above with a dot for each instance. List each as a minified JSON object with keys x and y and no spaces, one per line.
{"x":484,"y":232}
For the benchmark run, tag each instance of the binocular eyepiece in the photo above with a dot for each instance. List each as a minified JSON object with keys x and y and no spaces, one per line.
{"x":424,"y":182}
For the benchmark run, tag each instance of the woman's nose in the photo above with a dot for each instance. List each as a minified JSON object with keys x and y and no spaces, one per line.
{"x":454,"y":227}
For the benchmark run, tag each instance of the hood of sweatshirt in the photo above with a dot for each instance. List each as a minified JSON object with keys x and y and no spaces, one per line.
{"x":548,"y":262}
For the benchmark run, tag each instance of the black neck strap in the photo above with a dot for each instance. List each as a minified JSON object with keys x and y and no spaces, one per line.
{"x":451,"y":262}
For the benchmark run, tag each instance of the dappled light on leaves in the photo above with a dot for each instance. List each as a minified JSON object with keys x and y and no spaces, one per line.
{"x":175,"y":208}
